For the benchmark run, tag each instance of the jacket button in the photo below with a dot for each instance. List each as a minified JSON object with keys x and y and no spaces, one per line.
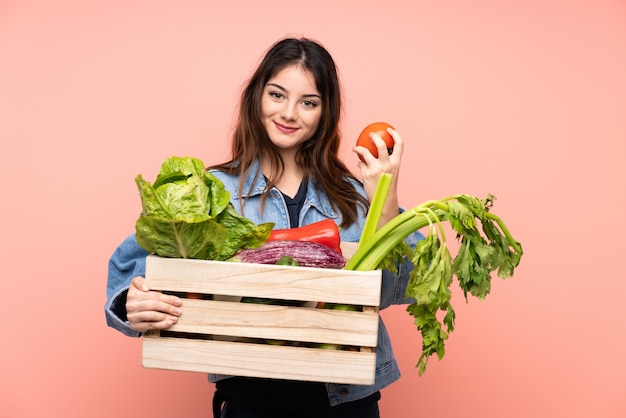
{"x":343,"y":392}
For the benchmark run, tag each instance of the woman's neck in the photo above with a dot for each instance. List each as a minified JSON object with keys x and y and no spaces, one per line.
{"x":291,"y":179}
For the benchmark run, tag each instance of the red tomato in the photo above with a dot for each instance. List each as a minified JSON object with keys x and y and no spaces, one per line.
{"x":381,"y":129}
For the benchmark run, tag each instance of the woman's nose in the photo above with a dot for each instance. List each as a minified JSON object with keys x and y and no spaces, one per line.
{"x":289,"y":111}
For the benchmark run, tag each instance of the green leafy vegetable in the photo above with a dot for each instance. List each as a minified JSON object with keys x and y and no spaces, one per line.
{"x":486,"y":246}
{"x":187,"y":214}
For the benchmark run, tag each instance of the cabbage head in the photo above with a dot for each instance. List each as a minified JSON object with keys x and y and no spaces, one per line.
{"x":187,"y":214}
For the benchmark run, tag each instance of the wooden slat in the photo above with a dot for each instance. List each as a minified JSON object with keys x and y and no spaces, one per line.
{"x":265,"y":281}
{"x":278,"y":322}
{"x":259,"y":360}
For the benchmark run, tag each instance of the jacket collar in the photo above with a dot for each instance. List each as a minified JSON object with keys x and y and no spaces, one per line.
{"x":314,"y":197}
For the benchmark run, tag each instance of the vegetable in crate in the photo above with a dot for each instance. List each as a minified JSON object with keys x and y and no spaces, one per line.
{"x":487,"y":246}
{"x":303,"y":253}
{"x":187,"y":214}
{"x":324,"y":232}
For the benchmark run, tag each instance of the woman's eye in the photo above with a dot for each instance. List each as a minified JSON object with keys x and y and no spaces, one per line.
{"x":275,"y":95}
{"x":309,"y":103}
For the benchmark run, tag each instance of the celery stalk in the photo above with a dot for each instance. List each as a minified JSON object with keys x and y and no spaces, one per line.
{"x":371,"y":252}
{"x":376,"y":207}
{"x":486,"y":246}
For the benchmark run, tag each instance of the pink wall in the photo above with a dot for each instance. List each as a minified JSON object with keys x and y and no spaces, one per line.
{"x":525,"y":100}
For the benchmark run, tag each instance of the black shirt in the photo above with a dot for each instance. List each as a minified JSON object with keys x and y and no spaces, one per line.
{"x":294,"y":205}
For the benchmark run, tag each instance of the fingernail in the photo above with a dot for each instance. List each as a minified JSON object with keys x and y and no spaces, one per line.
{"x":176,"y":312}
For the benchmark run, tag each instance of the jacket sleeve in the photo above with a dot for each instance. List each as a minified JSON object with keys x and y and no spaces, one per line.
{"x":128,"y":261}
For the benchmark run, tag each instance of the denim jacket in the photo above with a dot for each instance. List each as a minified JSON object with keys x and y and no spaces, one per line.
{"x":128,"y":261}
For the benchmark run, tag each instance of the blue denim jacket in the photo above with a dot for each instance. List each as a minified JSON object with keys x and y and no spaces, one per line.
{"x":128,"y":261}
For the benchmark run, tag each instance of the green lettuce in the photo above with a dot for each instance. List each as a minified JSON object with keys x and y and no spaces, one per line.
{"x":187,"y":214}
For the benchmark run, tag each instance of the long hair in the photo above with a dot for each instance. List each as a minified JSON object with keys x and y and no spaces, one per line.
{"x":318,"y":156}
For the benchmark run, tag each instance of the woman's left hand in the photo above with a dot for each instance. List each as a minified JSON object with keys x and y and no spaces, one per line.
{"x":372,"y":167}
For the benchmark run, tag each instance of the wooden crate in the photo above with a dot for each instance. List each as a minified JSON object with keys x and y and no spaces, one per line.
{"x":226,"y":336}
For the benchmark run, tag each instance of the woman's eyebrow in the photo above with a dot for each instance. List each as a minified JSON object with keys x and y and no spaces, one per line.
{"x":278,"y":86}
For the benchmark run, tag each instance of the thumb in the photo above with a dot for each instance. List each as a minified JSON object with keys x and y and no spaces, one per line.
{"x":141,"y":284}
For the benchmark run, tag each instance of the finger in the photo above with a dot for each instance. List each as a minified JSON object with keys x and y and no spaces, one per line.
{"x":140,"y":283}
{"x":364,"y":153}
{"x":398,"y":143}
{"x":395,"y":135}
{"x":169,"y":299}
{"x":381,"y":146}
{"x":368,"y":159}
{"x":140,"y":290}
{"x":153,"y":304}
{"x":151,"y":321}
{"x":151,"y":317}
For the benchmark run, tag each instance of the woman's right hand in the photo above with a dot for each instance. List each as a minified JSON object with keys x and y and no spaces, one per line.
{"x":147,"y":310}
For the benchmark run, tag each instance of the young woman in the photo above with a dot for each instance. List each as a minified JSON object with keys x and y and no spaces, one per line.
{"x":283,"y":168}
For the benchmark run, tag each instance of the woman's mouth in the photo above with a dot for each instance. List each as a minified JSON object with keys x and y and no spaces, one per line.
{"x":285,"y":129}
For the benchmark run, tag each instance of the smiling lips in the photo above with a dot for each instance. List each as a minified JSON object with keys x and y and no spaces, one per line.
{"x":285,"y":129}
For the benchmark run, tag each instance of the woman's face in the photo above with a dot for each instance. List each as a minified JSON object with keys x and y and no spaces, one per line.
{"x":291,"y":108}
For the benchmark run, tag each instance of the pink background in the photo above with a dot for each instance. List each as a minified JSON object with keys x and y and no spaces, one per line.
{"x":522,"y":99}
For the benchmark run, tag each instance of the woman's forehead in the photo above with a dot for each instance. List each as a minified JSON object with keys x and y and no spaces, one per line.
{"x":295,"y":78}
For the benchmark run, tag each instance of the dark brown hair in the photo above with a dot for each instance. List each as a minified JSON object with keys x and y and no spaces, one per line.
{"x":318,"y":156}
